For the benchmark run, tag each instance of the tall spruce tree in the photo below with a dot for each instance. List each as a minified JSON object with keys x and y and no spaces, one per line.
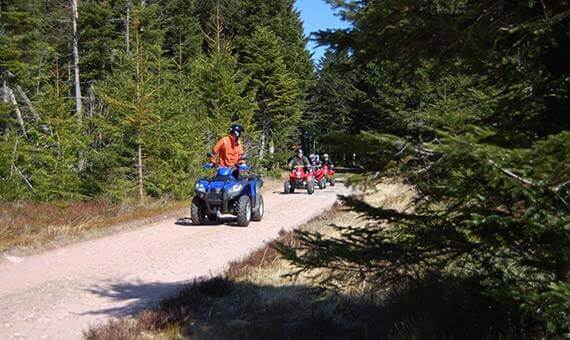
{"x":276,"y":91}
{"x":284,"y":21}
{"x":332,"y":96}
{"x":131,"y":94}
{"x":223,"y":90}
{"x":98,"y":39}
{"x":183,"y":38}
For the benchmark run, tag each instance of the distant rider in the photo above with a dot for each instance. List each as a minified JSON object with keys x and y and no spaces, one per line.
{"x":299,"y":160}
{"x":326,"y":161}
{"x":314,"y":160}
{"x":317,"y":160}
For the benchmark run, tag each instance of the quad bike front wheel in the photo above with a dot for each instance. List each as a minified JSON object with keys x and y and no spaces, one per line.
{"x":310,"y":187}
{"x":197,"y":212}
{"x":243,"y":211}
{"x":332,"y":181}
{"x":257,"y":213}
{"x":287,"y":187}
{"x":322,"y":183}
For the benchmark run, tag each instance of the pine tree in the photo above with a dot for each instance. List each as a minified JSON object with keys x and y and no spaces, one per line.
{"x":131,"y":95}
{"x":98,"y":39}
{"x":276,"y":91}
{"x":183,"y":39}
{"x":284,"y":21}
{"x":223,"y":90}
{"x":175,"y":147}
{"x":21,"y":41}
{"x":332,"y":96}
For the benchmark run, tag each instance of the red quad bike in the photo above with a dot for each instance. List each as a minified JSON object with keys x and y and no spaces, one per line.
{"x":300,"y":179}
{"x":320,"y":177}
{"x":328,"y":174}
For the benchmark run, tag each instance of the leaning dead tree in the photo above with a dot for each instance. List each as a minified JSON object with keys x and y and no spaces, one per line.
{"x":28,"y":102}
{"x":8,"y":97}
{"x":77,"y":84}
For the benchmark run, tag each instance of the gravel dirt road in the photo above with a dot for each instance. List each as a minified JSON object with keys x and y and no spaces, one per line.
{"x":60,"y":293}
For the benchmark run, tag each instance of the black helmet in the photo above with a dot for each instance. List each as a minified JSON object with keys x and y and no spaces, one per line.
{"x":299,"y":152}
{"x":236,"y":130}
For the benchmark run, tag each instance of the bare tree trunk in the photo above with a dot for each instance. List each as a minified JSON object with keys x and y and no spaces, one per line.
{"x":5,"y":98}
{"x":179,"y":57}
{"x":262,"y":148}
{"x":219,"y":28}
{"x":271,"y":148}
{"x":91,"y":101}
{"x":5,"y":126}
{"x":76,"y":59}
{"x":57,"y":77}
{"x":13,"y":165}
{"x":39,"y":75}
{"x":137,"y":56}
{"x":26,"y":180}
{"x":141,"y":181}
{"x":128,"y":26}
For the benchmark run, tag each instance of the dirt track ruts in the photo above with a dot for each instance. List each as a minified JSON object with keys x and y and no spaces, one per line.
{"x":60,"y":293}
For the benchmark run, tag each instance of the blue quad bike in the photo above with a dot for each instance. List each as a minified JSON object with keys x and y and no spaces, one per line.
{"x":226,"y":194}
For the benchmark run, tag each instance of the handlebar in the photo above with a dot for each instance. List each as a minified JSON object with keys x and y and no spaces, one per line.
{"x":241,"y":167}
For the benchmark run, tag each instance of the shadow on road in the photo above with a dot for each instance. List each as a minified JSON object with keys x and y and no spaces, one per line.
{"x":224,"y":221}
{"x":132,"y":297}
{"x":227,"y":221}
{"x":297,"y":192}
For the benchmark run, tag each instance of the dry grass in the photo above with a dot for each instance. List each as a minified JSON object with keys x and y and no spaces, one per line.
{"x":267,"y":255}
{"x":37,"y":225}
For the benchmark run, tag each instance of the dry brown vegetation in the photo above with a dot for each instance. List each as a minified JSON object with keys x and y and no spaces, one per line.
{"x":34,"y":225}
{"x":256,"y":298}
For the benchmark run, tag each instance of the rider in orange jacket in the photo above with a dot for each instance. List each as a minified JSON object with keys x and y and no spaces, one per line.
{"x":229,"y":149}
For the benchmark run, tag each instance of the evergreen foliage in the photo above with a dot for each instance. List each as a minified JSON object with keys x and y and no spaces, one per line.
{"x":276,"y":92}
{"x":164,"y":75}
{"x":469,"y":100}
{"x":223,"y":92}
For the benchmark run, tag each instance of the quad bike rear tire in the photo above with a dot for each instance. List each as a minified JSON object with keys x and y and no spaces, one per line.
{"x":322,"y":183}
{"x":243,"y":211}
{"x":332,"y":181}
{"x":197,"y":212}
{"x":258,"y":212}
